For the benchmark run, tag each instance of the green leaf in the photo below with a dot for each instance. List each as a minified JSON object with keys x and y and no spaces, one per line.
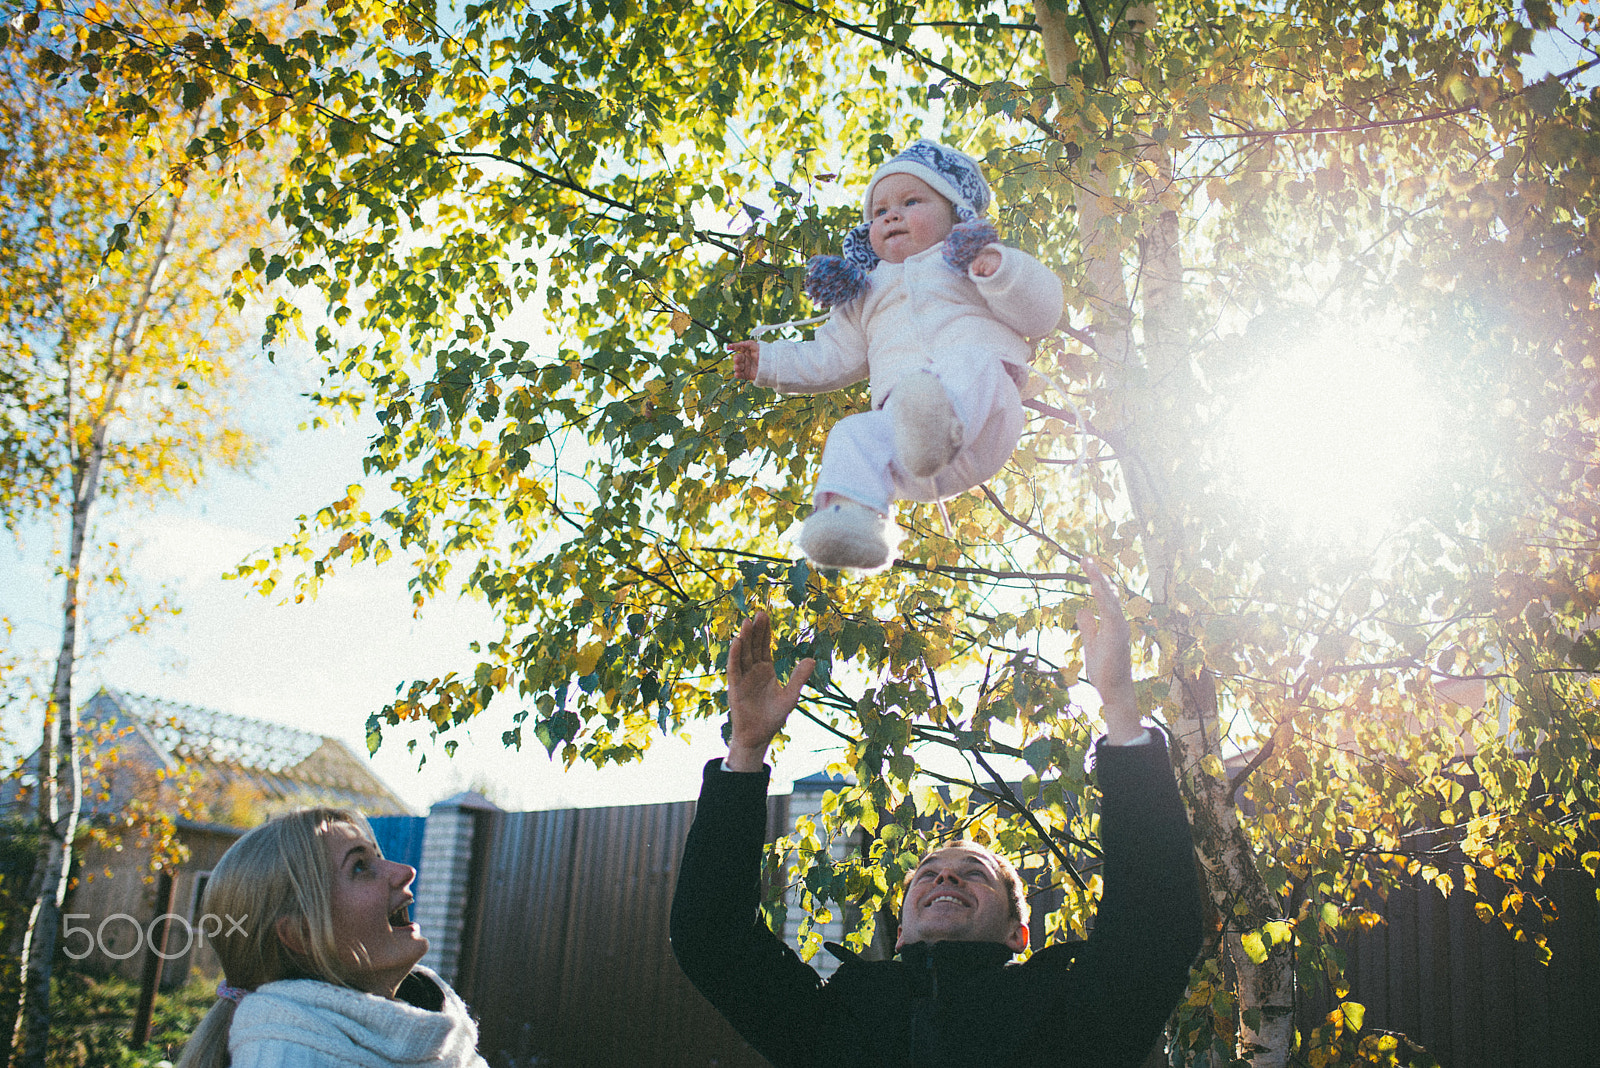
{"x":799,"y":575}
{"x":195,"y":94}
{"x":1037,"y":753}
{"x":1546,"y":95}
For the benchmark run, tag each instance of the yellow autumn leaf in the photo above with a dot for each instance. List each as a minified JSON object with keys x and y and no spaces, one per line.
{"x":1254,"y":948}
{"x":588,"y":657}
{"x":680,"y":322}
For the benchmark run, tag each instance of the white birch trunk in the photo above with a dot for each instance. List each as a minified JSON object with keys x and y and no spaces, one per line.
{"x":1227,"y":860}
{"x":60,"y":767}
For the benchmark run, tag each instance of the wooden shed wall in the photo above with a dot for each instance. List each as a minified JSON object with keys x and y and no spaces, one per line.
{"x":114,"y":884}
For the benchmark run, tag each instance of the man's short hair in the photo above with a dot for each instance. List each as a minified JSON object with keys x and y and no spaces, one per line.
{"x":1016,"y":892}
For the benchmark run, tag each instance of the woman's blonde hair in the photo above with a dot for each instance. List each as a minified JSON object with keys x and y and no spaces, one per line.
{"x":278,"y":872}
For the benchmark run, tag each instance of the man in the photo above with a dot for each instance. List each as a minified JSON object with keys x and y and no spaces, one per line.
{"x":953,"y":997}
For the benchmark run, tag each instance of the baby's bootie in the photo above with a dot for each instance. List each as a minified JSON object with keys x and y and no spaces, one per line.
{"x":843,"y":533}
{"x":927,"y":433}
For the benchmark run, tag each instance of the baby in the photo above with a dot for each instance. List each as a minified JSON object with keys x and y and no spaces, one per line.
{"x":938,"y":316}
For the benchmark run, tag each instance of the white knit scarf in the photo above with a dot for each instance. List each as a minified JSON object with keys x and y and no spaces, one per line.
{"x":305,"y":1023}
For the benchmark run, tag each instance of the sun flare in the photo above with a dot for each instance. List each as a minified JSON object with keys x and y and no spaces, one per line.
{"x":1333,"y":434}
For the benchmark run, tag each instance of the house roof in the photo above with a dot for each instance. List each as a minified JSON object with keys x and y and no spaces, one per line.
{"x":285,"y":767}
{"x":819,"y":781}
{"x":471,"y":799}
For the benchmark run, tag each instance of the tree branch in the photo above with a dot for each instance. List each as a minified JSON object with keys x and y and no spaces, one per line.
{"x":331,"y":116}
{"x":956,"y":569}
{"x":1016,"y":805}
{"x":1041,"y":535}
{"x":1380,"y":124}
{"x":890,"y":44}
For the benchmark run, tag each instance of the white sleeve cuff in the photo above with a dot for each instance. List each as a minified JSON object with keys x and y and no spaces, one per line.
{"x":1146,"y":737}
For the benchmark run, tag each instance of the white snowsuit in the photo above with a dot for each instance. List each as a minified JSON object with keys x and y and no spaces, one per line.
{"x":971,"y":332}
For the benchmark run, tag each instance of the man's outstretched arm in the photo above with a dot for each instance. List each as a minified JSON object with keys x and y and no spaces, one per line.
{"x":758,"y":983}
{"x":1108,"y":658}
{"x":1128,"y":977}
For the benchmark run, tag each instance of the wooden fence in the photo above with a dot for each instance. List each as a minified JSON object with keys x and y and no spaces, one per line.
{"x":565,"y":958}
{"x":567,"y":964}
{"x":1468,"y":991}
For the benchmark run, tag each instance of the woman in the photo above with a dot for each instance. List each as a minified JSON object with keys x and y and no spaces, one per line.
{"x":319,"y":957}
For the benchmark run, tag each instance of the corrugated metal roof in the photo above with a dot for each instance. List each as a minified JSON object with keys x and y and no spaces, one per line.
{"x":287,"y":767}
{"x":192,"y":733}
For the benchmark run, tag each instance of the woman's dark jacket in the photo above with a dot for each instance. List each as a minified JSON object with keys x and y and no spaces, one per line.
{"x":1099,"y":1003}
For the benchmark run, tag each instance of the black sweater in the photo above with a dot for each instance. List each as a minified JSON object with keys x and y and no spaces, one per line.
{"x":1099,"y":1003}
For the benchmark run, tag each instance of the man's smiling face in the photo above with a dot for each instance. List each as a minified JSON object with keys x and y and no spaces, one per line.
{"x":959,"y":895}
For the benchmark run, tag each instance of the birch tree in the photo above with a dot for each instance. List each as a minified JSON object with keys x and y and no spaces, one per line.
{"x":1223,"y":187}
{"x":120,"y":354}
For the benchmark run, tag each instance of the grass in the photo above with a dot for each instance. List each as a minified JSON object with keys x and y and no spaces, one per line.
{"x":90,"y":1022}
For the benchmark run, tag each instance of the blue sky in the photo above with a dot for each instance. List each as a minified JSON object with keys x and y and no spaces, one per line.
{"x":324,"y":665}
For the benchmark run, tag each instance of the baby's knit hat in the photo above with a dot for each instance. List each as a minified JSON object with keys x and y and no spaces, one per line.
{"x":954,"y":175}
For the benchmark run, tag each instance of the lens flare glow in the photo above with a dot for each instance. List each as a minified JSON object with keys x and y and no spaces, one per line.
{"x":1334,"y":436}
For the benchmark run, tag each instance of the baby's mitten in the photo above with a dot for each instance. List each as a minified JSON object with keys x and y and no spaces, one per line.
{"x":834,"y":280}
{"x":968,"y":239}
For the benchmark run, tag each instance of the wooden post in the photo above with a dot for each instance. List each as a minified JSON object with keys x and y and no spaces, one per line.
{"x":155,"y":955}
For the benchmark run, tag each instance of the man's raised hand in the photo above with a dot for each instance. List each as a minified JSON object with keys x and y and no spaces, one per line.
{"x":758,"y":705}
{"x":1108,"y":657}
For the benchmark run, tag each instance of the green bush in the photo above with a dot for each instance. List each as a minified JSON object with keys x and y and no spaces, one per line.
{"x":90,"y":1021}
{"x":19,"y":844}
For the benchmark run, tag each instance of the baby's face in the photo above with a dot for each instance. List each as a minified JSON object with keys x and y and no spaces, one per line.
{"x":907,"y":217}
